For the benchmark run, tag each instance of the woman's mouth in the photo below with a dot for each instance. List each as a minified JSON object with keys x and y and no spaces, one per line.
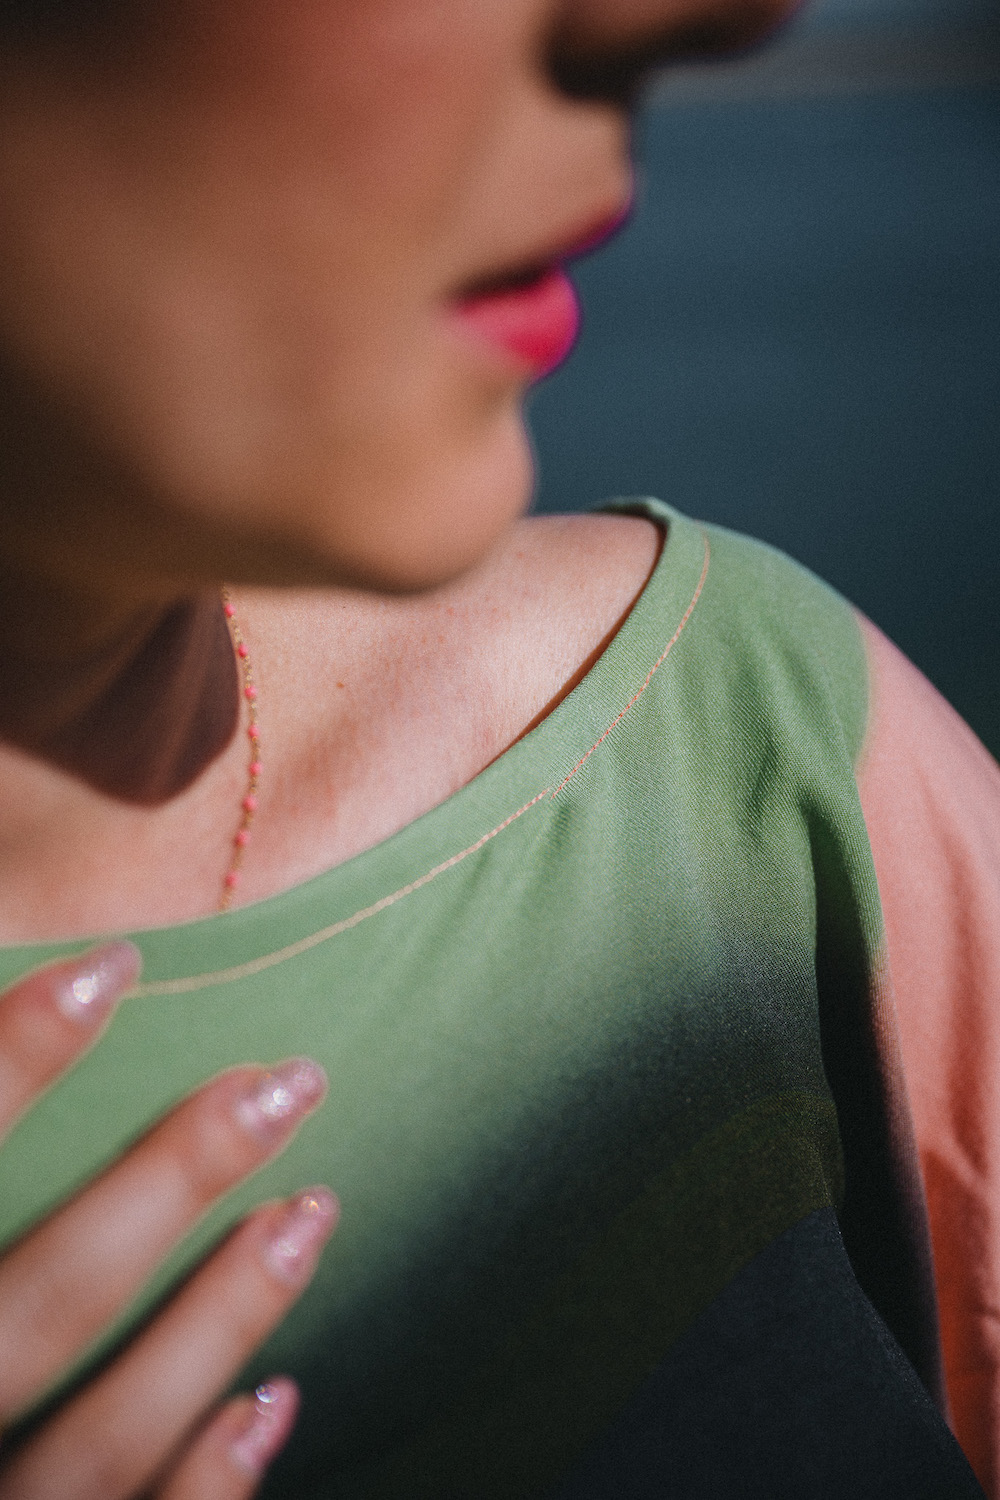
{"x":533,"y":316}
{"x":530,"y":314}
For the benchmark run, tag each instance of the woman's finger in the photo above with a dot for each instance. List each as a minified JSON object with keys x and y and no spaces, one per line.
{"x":229,"y":1457}
{"x":62,"y":1283}
{"x":111,"y":1440}
{"x":50,"y":1018}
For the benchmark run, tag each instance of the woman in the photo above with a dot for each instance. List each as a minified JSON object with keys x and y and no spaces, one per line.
{"x":603,"y":1004}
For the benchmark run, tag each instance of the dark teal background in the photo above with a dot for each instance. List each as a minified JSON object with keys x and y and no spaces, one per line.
{"x":799,"y":333}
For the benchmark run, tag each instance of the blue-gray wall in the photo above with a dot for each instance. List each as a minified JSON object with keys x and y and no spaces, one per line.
{"x":799,"y":334}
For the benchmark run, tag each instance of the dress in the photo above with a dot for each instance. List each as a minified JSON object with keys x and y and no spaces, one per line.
{"x":608,"y":1073}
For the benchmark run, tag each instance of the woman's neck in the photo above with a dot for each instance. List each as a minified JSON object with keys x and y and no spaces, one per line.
{"x":134,"y":699}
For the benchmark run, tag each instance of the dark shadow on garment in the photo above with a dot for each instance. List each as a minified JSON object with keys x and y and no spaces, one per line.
{"x":789,"y":1387}
{"x":883,"y":1215}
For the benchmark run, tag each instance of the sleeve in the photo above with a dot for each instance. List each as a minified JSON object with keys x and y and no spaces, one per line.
{"x":931,"y":799}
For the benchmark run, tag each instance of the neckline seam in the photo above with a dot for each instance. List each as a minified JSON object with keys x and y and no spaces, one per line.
{"x":190,"y":984}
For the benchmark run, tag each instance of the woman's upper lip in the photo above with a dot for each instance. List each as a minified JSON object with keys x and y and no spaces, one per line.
{"x":534,"y":263}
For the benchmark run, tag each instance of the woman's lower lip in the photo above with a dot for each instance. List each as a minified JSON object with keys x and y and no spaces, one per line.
{"x":535,"y":323}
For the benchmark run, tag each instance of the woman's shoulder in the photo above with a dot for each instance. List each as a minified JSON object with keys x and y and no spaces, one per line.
{"x":756,"y":633}
{"x":753,"y":602}
{"x":609,"y":555}
{"x":564,"y":585}
{"x":590,"y":557}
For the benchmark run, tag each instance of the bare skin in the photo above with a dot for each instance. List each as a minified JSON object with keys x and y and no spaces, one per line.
{"x":250,"y":368}
{"x":433,"y":689}
{"x":140,"y":1427}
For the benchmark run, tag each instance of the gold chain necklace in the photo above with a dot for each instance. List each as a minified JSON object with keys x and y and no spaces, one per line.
{"x":248,"y":807}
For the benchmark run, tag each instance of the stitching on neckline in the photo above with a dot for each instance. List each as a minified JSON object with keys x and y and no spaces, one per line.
{"x":193,"y":982}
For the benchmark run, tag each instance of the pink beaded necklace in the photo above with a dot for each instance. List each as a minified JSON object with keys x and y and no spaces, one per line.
{"x":248,"y":806}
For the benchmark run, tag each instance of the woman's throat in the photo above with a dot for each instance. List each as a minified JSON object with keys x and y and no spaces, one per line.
{"x":139,"y":711}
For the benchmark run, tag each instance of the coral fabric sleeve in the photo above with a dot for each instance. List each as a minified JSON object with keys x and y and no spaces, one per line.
{"x":931,"y":799}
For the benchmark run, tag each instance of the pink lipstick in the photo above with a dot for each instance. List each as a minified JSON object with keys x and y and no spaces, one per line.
{"x":530,"y":314}
{"x":533,"y":319}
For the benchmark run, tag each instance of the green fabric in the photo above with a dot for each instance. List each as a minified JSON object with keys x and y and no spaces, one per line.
{"x":570,"y":1019}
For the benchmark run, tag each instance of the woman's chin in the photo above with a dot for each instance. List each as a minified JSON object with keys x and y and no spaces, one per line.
{"x":448,"y":516}
{"x":393,"y":520}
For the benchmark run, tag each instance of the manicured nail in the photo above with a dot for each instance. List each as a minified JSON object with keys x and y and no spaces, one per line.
{"x":276,"y":1102}
{"x":304,"y":1228}
{"x":88,"y":991}
{"x":268,"y":1425}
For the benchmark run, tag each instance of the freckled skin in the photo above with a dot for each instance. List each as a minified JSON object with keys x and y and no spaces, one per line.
{"x":249,"y":369}
{"x":231,"y":233}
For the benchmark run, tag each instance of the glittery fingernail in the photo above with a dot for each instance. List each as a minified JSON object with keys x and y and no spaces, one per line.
{"x":294,"y":1246}
{"x":87,"y":992}
{"x":268,"y":1425}
{"x":276,"y":1102}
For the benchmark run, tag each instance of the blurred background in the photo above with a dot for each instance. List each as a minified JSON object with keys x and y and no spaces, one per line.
{"x":799,"y":333}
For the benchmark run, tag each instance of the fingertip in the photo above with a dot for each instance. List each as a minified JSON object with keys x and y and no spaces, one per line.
{"x":297,"y":1234}
{"x":88,"y":987}
{"x":276,"y":1102}
{"x":231,"y":1454}
{"x":266,"y":1426}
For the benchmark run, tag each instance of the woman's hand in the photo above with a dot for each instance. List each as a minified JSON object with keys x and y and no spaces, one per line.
{"x":145,"y":1424}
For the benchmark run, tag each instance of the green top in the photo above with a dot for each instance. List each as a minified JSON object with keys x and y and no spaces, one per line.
{"x":571,"y":1022}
